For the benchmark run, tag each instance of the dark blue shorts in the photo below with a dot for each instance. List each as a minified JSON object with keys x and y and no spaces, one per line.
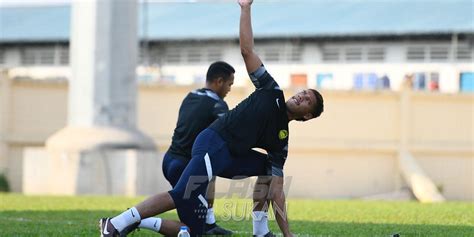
{"x":173,"y":166}
{"x":210,"y":157}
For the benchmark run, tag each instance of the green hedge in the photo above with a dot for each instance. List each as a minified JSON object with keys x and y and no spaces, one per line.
{"x":4,"y":187}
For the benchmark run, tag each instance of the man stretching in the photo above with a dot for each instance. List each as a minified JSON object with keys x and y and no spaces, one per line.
{"x":225,"y":148}
{"x":197,"y":111}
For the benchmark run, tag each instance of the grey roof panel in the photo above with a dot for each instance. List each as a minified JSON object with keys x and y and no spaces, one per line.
{"x":34,"y":23}
{"x":220,"y":20}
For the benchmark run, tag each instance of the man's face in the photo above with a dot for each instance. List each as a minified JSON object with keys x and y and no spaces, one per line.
{"x":224,"y":86}
{"x":301,"y":105}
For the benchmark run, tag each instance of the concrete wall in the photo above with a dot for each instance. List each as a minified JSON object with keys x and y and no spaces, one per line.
{"x":351,"y":151}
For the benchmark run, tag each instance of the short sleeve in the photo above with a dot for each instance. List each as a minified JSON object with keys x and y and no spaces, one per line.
{"x":219,"y":109}
{"x":277,"y":160}
{"x":261,"y":79}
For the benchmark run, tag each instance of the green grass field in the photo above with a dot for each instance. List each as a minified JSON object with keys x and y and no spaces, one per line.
{"x":78,"y":216}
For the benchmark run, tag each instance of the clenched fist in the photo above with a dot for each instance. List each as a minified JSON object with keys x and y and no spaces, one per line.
{"x":244,"y":3}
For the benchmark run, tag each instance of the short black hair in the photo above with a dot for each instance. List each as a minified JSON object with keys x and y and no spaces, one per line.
{"x":219,"y":69}
{"x":319,"y":105}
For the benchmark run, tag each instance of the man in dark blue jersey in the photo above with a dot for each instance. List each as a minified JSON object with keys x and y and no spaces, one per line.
{"x":197,"y":111}
{"x":225,"y":148}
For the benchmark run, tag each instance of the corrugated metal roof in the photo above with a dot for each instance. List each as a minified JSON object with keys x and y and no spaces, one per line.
{"x":220,"y":20}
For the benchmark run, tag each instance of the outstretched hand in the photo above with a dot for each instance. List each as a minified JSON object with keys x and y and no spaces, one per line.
{"x":244,"y":3}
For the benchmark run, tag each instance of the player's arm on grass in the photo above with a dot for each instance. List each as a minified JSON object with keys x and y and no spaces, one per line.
{"x":277,"y":196}
{"x":276,"y":192}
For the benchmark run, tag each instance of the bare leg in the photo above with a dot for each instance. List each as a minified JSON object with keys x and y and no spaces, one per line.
{"x":211,"y":189}
{"x":261,"y":205}
{"x":260,"y":193}
{"x":158,"y":204}
{"x":170,"y":228}
{"x":155,"y":205}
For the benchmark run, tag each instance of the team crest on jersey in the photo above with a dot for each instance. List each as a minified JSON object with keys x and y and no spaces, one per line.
{"x":282,"y":134}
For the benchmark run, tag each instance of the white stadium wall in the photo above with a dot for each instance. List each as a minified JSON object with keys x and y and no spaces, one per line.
{"x":350,"y":152}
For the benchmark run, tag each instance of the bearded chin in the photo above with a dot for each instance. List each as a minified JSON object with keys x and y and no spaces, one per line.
{"x":291,"y":111}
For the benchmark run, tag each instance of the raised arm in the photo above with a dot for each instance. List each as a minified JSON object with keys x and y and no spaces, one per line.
{"x":251,"y":59}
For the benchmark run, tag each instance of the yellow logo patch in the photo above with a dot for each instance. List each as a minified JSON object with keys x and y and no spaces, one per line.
{"x":283,"y":134}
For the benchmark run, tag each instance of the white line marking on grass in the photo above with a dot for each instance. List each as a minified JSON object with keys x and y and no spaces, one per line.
{"x":21,"y":219}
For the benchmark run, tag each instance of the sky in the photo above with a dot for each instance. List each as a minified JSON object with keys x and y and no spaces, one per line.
{"x":62,"y":2}
{"x":32,"y":2}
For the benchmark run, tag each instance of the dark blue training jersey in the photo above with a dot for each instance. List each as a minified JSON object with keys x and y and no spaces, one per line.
{"x":259,"y":121}
{"x":198,"y":110}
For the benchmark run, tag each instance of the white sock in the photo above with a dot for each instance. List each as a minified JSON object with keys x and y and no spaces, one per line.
{"x":210,"y":218}
{"x":260,"y":223}
{"x":125,"y":219}
{"x":152,"y":223}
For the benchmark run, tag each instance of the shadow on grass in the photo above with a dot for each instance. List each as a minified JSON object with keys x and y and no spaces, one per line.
{"x":85,"y":223}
